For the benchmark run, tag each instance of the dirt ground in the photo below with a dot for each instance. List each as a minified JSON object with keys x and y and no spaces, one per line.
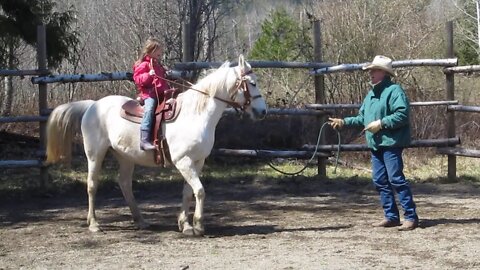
{"x":297,"y":223}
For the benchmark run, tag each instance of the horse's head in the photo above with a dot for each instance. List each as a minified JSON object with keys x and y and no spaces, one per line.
{"x":235,"y":86}
{"x":247,"y":94}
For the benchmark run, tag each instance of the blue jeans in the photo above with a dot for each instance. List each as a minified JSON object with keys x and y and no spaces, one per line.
{"x":388,"y":177}
{"x":148,"y":111}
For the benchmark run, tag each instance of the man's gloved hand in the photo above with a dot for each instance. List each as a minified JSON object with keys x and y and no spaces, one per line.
{"x":374,"y":126}
{"x":336,"y":123}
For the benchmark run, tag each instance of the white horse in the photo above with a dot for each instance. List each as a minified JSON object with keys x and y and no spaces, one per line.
{"x":190,"y":137}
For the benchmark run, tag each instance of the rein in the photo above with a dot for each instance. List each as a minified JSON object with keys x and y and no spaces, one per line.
{"x":155,"y":74}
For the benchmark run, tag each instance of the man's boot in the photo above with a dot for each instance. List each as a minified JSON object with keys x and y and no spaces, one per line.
{"x":145,"y":142}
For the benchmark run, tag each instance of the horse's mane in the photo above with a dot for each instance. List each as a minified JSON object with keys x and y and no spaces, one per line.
{"x":213,"y":81}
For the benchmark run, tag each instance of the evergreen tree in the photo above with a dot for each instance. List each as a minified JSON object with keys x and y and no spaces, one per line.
{"x":18,"y":23}
{"x":466,"y":41}
{"x":282,"y":38}
{"x":19,"y":20}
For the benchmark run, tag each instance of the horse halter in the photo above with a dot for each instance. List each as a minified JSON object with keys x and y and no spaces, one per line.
{"x":241,"y":85}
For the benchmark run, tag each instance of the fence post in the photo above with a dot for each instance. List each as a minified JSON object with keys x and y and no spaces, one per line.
{"x":319,"y":90}
{"x":187,"y":51}
{"x":450,"y":94}
{"x":42,"y":96}
{"x":187,"y":47}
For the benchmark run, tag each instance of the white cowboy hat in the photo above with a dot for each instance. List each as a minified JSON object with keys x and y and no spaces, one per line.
{"x":381,"y":62}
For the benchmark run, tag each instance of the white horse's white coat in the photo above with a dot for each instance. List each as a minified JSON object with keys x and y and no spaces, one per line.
{"x":190,"y":138}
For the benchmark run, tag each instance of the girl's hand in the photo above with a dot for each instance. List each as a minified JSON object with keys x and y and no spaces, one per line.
{"x":152,"y":72}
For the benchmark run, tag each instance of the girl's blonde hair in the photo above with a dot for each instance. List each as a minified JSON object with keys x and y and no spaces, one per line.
{"x":150,"y":46}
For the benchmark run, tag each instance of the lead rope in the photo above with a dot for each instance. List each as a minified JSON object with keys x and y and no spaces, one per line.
{"x":314,"y":154}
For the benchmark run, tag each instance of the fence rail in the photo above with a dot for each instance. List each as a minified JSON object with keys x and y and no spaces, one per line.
{"x":104,"y":76}
{"x":23,"y":118}
{"x":395,"y":64}
{"x":457,"y":151}
{"x":10,"y":164}
{"x":357,"y":106}
{"x":21,"y":73}
{"x":464,"y":108}
{"x":324,"y":150}
{"x":288,"y":111}
{"x":267,"y":153}
{"x":462,"y":69}
{"x":254,"y":64}
{"x":363,"y":147}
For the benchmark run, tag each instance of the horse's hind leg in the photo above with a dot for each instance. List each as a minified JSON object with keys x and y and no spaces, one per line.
{"x":125,"y":182}
{"x":94,"y":166}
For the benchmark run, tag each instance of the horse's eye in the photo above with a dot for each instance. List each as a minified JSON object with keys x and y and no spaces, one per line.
{"x":253,"y":84}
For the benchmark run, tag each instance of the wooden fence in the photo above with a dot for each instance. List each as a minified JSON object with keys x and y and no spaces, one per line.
{"x":320,"y":109}
{"x":41,"y":70}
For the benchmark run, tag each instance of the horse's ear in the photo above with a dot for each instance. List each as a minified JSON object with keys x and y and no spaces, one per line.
{"x":241,"y":62}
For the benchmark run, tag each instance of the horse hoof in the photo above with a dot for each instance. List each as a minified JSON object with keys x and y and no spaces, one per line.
{"x":198,"y":232}
{"x":182,"y":224}
{"x":94,"y":229}
{"x":188,"y":231}
{"x":198,"y":228}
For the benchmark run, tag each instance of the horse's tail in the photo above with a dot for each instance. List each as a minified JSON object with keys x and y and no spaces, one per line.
{"x":63,"y":123}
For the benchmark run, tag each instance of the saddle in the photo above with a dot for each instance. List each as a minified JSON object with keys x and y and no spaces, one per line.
{"x":167,"y":110}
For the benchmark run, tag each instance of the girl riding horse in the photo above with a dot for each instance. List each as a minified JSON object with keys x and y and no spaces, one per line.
{"x":149,"y":75}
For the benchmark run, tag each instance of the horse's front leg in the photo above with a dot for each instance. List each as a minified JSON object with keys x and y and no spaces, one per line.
{"x":183,"y":224}
{"x":190,"y":171}
{"x":198,"y":226}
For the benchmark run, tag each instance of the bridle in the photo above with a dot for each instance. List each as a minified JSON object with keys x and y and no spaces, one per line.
{"x":241,"y":85}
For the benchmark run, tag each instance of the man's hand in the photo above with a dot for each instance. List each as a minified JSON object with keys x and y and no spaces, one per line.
{"x":336,"y":123}
{"x":374,"y":126}
{"x":151,"y":72}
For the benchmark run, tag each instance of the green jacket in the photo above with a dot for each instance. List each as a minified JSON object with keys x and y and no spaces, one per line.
{"x":386,"y":101}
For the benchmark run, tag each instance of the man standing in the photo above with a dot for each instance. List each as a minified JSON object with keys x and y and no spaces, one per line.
{"x":385,"y":115}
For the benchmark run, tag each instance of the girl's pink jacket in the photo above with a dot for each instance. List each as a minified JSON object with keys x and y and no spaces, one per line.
{"x":146,"y":84}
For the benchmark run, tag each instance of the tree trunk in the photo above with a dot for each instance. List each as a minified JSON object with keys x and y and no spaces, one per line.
{"x":194,"y":24}
{"x":477,"y":4}
{"x":8,"y":81}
